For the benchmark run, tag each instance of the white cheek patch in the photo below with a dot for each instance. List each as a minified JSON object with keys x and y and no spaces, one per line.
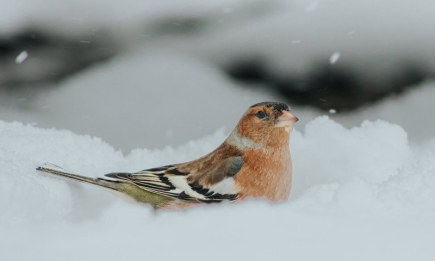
{"x":180,"y":183}
{"x":226,"y":186}
{"x":240,"y":142}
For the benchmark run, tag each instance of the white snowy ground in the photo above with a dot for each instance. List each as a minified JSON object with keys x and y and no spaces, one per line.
{"x":358,"y":194}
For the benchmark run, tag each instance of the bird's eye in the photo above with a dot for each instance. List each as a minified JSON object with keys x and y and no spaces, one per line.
{"x":261,"y":115}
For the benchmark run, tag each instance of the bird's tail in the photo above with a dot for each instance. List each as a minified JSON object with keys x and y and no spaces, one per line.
{"x":126,"y":189}
{"x":56,"y":170}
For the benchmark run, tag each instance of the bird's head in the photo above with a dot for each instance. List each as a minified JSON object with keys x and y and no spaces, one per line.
{"x":264,"y":119}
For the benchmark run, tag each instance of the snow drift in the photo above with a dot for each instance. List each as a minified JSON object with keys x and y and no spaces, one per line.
{"x":358,"y":194}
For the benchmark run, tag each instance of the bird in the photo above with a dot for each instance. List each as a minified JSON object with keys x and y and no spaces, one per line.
{"x":253,"y":162}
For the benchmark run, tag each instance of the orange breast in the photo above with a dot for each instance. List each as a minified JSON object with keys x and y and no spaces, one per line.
{"x":266,"y":173}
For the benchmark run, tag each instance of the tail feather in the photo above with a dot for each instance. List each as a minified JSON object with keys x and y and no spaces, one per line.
{"x":56,"y":170}
{"x":127,"y":189}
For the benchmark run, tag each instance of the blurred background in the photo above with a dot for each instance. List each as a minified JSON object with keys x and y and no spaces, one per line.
{"x":160,"y":73}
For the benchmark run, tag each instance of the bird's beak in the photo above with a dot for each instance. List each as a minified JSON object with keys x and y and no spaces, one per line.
{"x":286,"y":120}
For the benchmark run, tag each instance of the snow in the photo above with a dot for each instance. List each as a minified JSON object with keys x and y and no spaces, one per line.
{"x":21,"y":57}
{"x":359,"y":194}
{"x":334,"y":57}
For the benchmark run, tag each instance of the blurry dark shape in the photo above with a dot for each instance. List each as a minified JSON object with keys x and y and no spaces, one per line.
{"x":249,"y":70}
{"x":50,"y":57}
{"x":326,"y":86}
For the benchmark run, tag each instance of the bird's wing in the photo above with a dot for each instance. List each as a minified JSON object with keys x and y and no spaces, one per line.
{"x":153,"y":180}
{"x":209,"y":185}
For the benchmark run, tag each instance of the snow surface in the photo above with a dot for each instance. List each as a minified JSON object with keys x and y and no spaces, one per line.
{"x":358,"y":194}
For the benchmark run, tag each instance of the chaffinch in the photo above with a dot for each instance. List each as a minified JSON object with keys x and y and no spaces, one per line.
{"x":253,"y":162}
